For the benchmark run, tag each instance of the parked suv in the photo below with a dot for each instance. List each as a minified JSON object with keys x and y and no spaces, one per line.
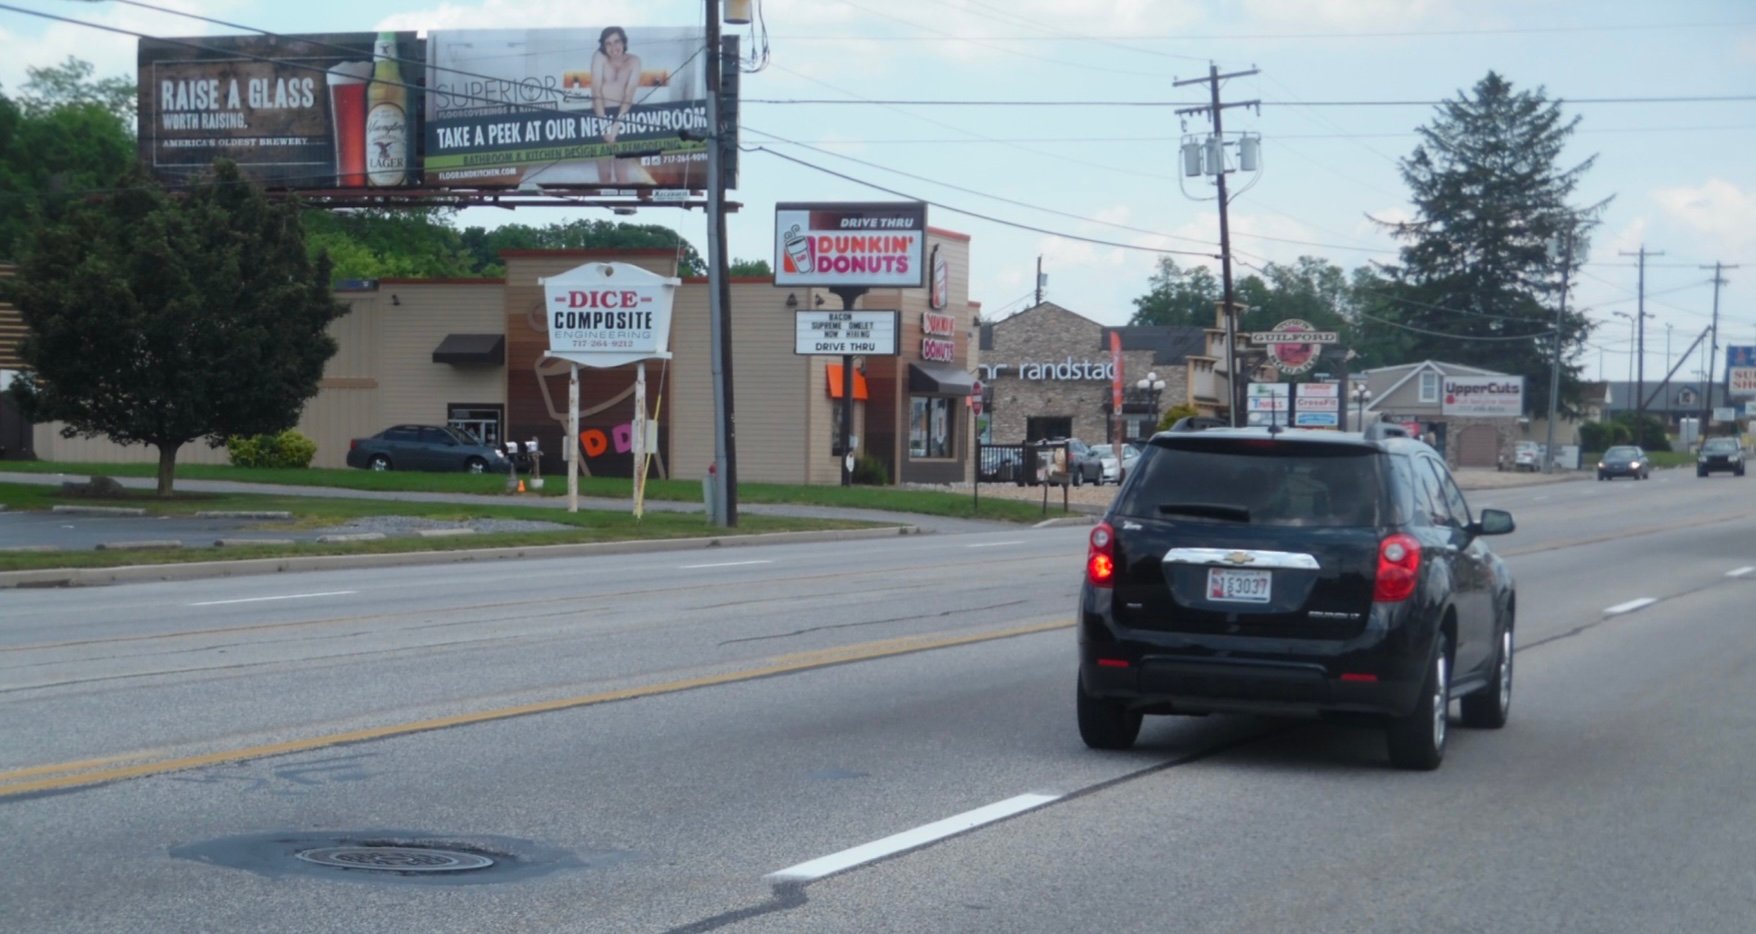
{"x":1303,"y":573}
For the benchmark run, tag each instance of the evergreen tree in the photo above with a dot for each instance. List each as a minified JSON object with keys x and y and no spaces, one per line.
{"x":1479,"y":275}
{"x":159,"y":320}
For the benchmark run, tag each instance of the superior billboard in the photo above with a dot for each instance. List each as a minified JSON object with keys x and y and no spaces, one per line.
{"x":611,"y":107}
{"x":331,"y":110}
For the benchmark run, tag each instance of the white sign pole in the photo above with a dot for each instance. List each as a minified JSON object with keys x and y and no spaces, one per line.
{"x":639,"y":470}
{"x":572,"y":437}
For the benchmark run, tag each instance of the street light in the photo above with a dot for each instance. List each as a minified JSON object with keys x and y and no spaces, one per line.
{"x":1362,"y":395}
{"x":1151,"y":386}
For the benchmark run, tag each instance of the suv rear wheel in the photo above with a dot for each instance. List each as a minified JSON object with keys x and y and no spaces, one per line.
{"x":1106,"y":724}
{"x":1417,"y":741}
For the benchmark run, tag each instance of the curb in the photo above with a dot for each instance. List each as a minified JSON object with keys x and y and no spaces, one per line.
{"x":196,"y":570}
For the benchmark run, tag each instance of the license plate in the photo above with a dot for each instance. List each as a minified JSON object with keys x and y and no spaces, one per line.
{"x":1234,"y":586}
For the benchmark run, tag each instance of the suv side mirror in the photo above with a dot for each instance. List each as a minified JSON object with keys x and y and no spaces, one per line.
{"x":1493,"y":522}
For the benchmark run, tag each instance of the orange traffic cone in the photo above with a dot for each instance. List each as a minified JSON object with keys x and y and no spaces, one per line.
{"x":521,"y":486}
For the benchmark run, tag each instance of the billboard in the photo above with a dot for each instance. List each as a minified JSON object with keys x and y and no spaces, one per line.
{"x":858,"y":245}
{"x":1485,"y":396}
{"x":331,"y":110}
{"x":1741,"y":371}
{"x":606,"y":108}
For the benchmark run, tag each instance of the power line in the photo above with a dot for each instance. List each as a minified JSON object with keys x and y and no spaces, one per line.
{"x":980,"y":216}
{"x":1576,"y":101}
{"x":1209,"y":37}
{"x":1459,"y":337}
{"x":980,"y":194}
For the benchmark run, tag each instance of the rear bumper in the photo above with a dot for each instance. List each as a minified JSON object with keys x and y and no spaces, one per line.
{"x":1170,"y":672}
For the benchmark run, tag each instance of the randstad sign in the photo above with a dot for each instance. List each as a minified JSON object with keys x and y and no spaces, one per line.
{"x":1067,"y":369}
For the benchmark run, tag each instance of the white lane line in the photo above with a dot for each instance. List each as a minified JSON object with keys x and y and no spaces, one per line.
{"x":909,"y":839}
{"x":723,"y":564}
{"x":1740,"y":572}
{"x":1538,"y":499}
{"x":1630,"y":606}
{"x":290,"y":596}
{"x":994,"y":544}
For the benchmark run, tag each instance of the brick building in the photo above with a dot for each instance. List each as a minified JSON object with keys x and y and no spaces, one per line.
{"x":1046,"y":373}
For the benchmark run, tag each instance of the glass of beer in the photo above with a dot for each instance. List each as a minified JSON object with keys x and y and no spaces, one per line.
{"x":347,"y":115}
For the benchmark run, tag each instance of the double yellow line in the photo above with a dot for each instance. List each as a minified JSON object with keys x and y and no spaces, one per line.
{"x":63,"y":775}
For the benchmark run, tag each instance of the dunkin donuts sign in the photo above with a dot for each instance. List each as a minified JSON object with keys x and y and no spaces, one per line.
{"x":869,"y":245}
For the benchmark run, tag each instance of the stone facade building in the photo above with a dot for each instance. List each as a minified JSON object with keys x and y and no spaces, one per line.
{"x":1046,"y":373}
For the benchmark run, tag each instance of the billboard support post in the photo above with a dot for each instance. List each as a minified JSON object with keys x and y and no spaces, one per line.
{"x":849,"y":294}
{"x":725,"y":479}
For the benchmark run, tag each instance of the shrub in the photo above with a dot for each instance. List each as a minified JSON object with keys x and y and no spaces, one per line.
{"x":1173,"y":413}
{"x":287,"y":449}
{"x":870,"y":471}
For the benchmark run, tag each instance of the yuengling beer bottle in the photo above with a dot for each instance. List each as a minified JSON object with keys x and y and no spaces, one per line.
{"x":387,"y":126}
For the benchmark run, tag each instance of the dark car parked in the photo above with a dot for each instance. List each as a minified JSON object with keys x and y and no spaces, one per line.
{"x":1301,"y":573}
{"x":1624,"y":460}
{"x":424,"y":447}
{"x":1720,"y":454}
{"x":1083,"y":464}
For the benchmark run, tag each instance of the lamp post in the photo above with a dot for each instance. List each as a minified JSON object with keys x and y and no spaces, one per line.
{"x":1151,"y":386}
{"x":1362,"y":395}
{"x":1565,"y":248}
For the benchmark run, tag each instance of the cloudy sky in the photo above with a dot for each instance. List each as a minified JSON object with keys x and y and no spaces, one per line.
{"x":1080,"y":168}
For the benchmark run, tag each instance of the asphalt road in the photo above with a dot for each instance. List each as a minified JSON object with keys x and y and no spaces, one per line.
{"x":862,"y":736}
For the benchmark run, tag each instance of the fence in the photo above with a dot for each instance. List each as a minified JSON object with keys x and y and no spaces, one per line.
{"x":1042,"y":464}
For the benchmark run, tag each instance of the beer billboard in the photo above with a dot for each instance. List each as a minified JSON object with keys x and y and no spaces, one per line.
{"x":608,"y":108}
{"x":320,"y":111}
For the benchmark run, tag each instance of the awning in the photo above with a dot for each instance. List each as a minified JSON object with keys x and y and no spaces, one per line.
{"x":834,"y":370}
{"x":471,"y":348}
{"x":938,"y":379}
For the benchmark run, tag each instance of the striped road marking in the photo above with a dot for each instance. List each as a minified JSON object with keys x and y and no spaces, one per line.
{"x":1630,"y":606}
{"x":909,"y":839}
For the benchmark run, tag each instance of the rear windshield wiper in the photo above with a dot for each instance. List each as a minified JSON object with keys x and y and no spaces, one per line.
{"x":1206,"y":511}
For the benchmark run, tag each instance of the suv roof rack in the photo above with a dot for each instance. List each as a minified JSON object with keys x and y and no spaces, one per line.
{"x":1378,"y":431}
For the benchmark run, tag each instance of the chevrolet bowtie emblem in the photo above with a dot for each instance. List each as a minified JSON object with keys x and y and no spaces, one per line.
{"x":1238,"y":557}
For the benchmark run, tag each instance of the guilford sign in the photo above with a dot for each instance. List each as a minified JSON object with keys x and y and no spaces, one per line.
{"x":1050,"y":370}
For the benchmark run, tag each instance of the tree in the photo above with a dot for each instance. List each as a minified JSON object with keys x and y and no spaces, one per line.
{"x":52,"y":155}
{"x":1478,"y":276}
{"x":411,"y":243}
{"x":484,"y":245}
{"x":1176,"y":296}
{"x":70,"y":84}
{"x":160,"y":321}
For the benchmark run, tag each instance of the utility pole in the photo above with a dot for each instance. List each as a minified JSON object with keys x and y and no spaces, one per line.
{"x":1712,"y":348}
{"x":1555,"y":358}
{"x":1640,"y":347}
{"x":724,"y":480}
{"x":1234,"y":382}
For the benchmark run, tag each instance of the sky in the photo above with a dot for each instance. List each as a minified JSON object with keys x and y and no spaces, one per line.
{"x":1046,"y":129}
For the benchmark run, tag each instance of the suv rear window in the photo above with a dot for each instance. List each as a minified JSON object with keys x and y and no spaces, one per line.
{"x":1265,"y":483}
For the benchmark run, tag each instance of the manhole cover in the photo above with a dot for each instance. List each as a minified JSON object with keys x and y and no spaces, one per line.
{"x":395,"y":858}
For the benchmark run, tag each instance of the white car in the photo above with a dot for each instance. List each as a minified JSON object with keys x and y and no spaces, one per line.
{"x":1115,"y":469}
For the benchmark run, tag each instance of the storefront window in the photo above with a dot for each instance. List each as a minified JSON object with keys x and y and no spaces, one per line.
{"x":929,"y":426}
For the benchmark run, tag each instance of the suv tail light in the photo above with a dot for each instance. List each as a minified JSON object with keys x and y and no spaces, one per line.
{"x":353,"y":443}
{"x":1399,"y":564}
{"x":1100,"y":558}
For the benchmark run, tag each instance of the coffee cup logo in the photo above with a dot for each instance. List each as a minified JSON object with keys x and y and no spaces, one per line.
{"x":798,"y":248}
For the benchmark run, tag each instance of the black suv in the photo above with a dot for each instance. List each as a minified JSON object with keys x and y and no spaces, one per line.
{"x":1302,"y":573}
{"x":1720,"y":454}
